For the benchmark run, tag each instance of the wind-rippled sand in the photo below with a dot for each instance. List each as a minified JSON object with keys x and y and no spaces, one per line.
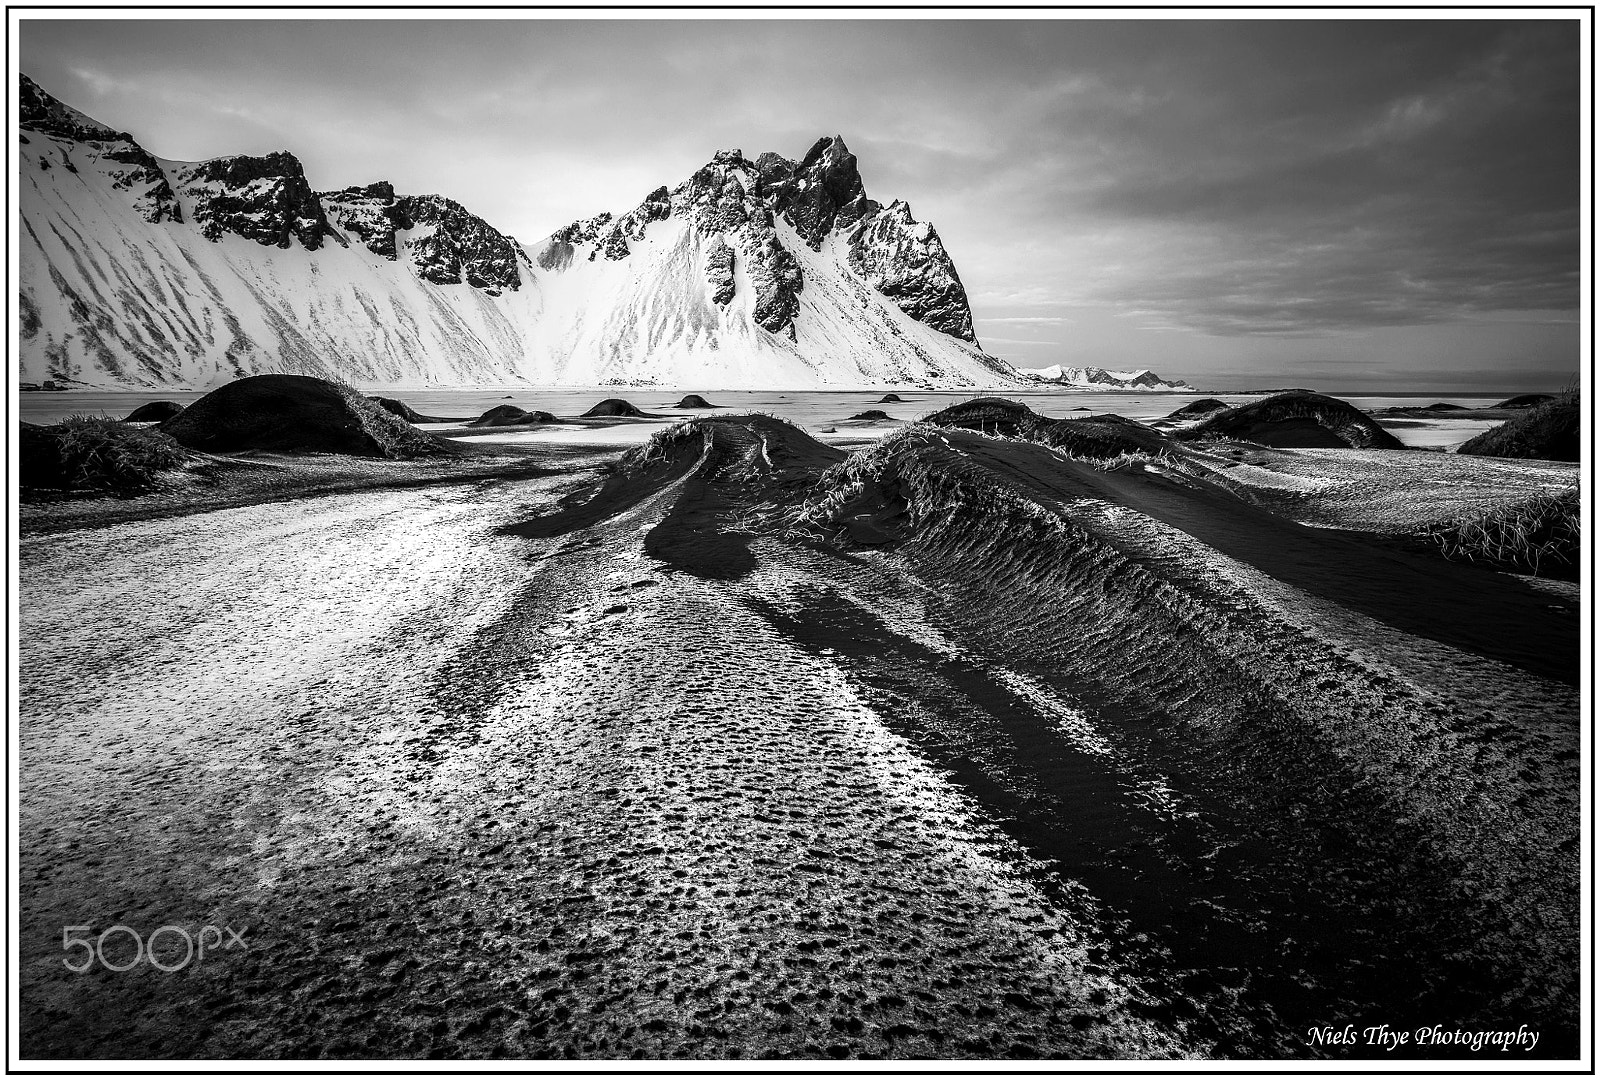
{"x":472,"y":802}
{"x":958,"y":749}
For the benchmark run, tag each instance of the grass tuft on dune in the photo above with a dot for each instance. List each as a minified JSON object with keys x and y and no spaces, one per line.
{"x":1538,"y":535}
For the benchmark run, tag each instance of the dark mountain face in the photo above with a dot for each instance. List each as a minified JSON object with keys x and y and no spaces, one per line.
{"x":740,"y":201}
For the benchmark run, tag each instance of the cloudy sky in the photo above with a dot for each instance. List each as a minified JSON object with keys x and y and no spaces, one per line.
{"x":1340,"y":205}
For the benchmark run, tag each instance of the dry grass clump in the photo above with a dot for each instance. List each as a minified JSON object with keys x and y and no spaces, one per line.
{"x":96,"y":453}
{"x":1539,"y":535}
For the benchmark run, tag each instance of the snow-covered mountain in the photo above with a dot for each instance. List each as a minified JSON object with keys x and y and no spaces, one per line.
{"x":1093,"y":378}
{"x":142,"y":272}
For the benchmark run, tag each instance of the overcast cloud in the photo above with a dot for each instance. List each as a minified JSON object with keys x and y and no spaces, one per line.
{"x":1361,"y":203}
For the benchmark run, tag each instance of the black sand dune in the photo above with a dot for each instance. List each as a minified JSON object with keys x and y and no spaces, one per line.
{"x":412,"y":416}
{"x":1358,"y":739}
{"x":1197,"y":409}
{"x":297,"y":414}
{"x":720,"y":467}
{"x":1298,"y":420}
{"x":957,"y":747}
{"x":695,"y":401}
{"x":615,"y":407}
{"x":511,"y":416}
{"x":153,"y":412}
{"x":1443,"y":410}
{"x":1549,"y":430}
{"x":1097,"y":437}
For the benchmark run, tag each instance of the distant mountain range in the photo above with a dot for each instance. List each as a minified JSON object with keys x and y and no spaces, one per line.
{"x":1093,"y":378}
{"x":140,"y":272}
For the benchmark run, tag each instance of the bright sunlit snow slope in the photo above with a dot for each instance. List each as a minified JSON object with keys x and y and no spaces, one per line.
{"x":138,"y":272}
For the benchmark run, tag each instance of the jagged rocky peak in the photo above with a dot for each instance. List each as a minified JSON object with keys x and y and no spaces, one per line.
{"x":772,"y":169}
{"x":824,"y":193}
{"x":130,"y":166}
{"x":265,"y":199}
{"x":736,"y":203}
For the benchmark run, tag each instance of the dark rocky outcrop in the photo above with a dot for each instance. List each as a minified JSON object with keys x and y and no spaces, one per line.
{"x":461,"y":247}
{"x":370,"y":213}
{"x":153,"y":412}
{"x":695,"y":401}
{"x":264,"y":199}
{"x":889,"y":399}
{"x":1297,"y":420}
{"x":296,"y":414}
{"x":719,"y":271}
{"x":871,"y":414}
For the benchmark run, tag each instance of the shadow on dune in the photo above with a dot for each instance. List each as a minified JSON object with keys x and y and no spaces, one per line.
{"x":701,"y":474}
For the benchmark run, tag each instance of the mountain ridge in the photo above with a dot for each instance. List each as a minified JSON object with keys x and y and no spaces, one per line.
{"x":1094,"y":378}
{"x":141,"y":272}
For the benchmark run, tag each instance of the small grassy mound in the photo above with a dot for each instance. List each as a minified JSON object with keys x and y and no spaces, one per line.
{"x":408,"y":414}
{"x":1196,"y":409}
{"x":511,"y":416}
{"x":614,"y":406}
{"x":153,"y":412}
{"x":1548,"y":431}
{"x":1297,"y":419}
{"x":96,"y":453}
{"x":1525,"y":401}
{"x":298,"y":414}
{"x":1538,"y":535}
{"x":692,"y":401}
